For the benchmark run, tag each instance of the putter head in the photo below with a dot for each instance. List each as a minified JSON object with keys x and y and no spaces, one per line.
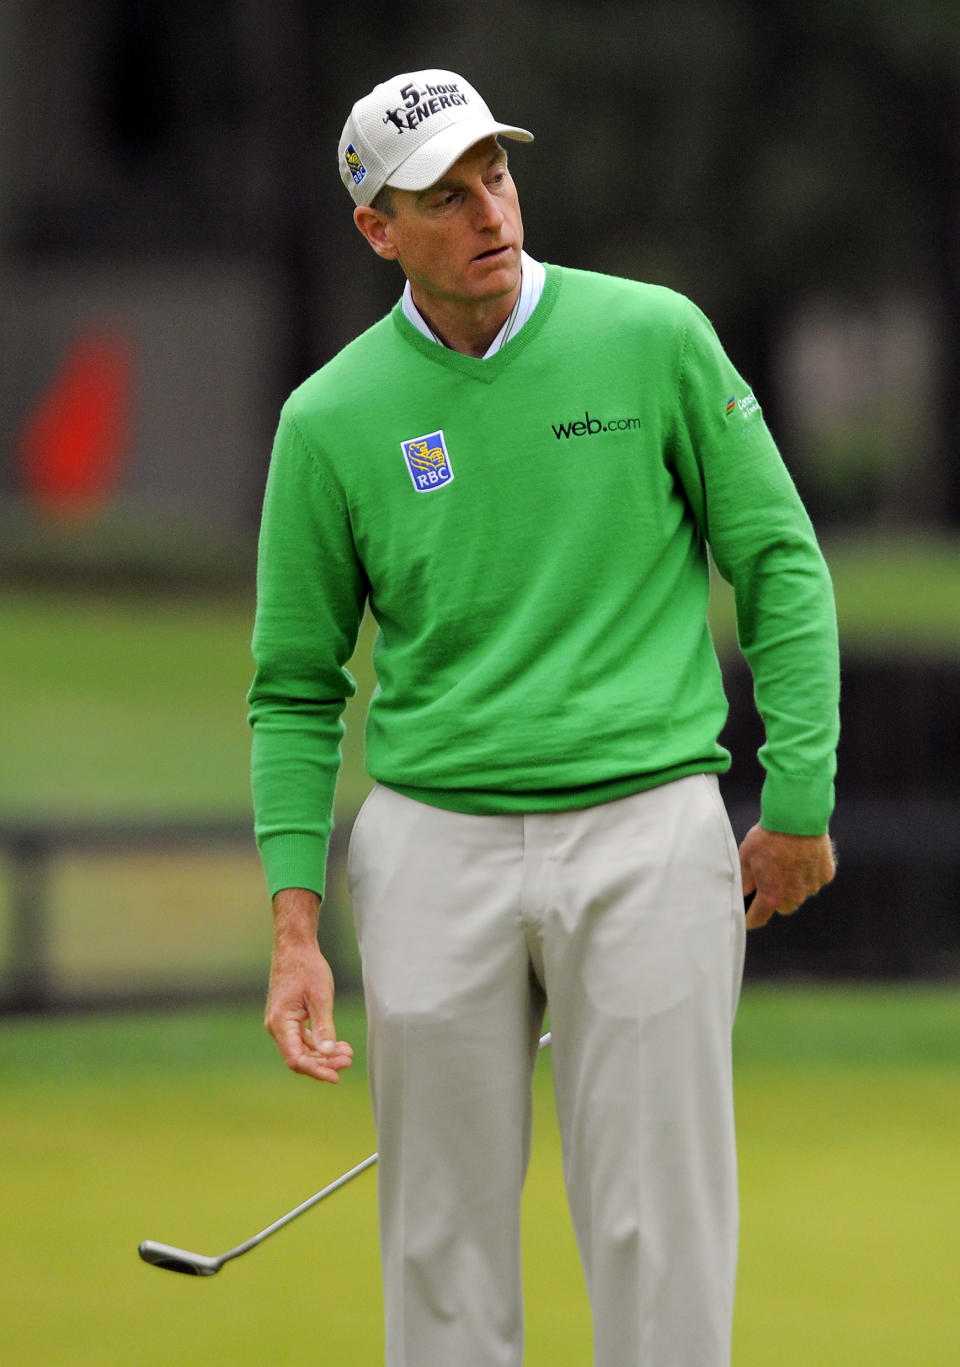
{"x":178,"y":1259}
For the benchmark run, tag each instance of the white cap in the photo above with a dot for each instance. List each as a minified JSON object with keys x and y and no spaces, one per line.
{"x":409,"y":130}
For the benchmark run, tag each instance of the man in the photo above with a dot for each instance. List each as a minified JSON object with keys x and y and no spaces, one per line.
{"x":520,"y":470}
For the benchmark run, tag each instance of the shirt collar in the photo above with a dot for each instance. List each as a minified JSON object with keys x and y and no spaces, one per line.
{"x":532,"y":279}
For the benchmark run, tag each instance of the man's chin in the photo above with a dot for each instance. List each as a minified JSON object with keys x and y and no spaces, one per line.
{"x":496,"y":275}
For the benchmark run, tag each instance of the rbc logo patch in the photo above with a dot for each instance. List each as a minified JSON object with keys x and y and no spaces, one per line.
{"x":428,"y":462}
{"x":357,"y":168}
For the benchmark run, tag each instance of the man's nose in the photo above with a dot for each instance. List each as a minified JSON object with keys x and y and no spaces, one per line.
{"x":488,"y":212}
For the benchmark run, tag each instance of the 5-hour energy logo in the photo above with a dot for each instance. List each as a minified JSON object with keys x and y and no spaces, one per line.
{"x":420,"y":105}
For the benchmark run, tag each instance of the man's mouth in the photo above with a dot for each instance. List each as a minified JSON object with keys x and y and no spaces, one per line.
{"x":493,"y":252}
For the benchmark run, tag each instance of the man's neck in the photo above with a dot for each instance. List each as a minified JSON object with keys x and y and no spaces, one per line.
{"x":467,"y":328}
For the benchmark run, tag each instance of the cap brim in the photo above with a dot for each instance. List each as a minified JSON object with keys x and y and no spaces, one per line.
{"x":427,"y":164}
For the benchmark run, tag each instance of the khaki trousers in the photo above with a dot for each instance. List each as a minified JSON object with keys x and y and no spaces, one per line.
{"x":627,"y":920}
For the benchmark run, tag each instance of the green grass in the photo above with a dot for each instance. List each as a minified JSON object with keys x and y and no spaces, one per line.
{"x":898,"y":596}
{"x":848,"y":1114}
{"x":186,"y":1128}
{"x":134,"y":705}
{"x":123,"y":705}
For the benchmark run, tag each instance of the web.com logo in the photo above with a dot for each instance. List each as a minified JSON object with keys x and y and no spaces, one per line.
{"x":592,"y":427}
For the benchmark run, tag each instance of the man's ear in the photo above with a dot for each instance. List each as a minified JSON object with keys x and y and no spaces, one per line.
{"x":376,"y":229}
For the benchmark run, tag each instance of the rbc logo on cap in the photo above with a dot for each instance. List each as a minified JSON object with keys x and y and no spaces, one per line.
{"x":428,"y":462}
{"x":357,"y":168}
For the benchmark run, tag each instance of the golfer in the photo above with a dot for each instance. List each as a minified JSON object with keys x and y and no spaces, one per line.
{"x":521,"y":471}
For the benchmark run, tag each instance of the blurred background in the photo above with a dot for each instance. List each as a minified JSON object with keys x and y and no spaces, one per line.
{"x":177,"y":253}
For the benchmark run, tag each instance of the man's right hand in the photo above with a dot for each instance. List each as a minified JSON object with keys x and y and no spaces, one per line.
{"x":299,"y":1013}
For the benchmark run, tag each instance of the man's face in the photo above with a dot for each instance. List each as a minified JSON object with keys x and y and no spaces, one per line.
{"x":460,"y":240}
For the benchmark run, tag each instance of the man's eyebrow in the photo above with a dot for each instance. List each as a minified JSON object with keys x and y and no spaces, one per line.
{"x":436,"y":188}
{"x":499,"y":155}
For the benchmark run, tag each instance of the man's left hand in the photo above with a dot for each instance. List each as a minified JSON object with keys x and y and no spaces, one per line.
{"x":782,"y":871}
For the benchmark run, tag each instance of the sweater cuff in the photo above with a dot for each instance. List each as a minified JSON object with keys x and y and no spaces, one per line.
{"x":797,"y":804}
{"x":294,"y":860}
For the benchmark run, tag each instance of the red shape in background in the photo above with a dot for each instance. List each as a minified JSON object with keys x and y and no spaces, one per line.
{"x":76,"y":441}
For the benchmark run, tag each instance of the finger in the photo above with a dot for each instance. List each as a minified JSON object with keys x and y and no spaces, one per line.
{"x":291,"y":1034}
{"x":336,"y":1053}
{"x":319,"y":1028}
{"x":288,"y":1037}
{"x":341,"y":1059}
{"x":323,"y":1067}
{"x":763,"y":908}
{"x":329,"y":1065}
{"x":318,"y":1069}
{"x":759,"y":912}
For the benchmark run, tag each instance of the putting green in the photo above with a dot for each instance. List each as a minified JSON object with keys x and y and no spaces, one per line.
{"x":186,"y":1128}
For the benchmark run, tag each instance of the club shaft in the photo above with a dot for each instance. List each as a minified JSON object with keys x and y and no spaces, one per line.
{"x":318,"y":1196}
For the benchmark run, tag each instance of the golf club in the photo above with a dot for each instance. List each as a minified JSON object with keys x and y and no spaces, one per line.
{"x":201,"y":1265}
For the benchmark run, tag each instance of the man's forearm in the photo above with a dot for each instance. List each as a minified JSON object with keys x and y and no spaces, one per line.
{"x":296,"y":917}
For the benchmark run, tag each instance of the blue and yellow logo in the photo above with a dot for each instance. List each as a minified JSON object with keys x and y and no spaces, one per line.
{"x":355,"y":165}
{"x":428,"y":461}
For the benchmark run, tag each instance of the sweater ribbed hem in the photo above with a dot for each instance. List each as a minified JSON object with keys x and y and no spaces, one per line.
{"x":478,"y":802}
{"x":294,"y":860}
{"x":797,"y":804}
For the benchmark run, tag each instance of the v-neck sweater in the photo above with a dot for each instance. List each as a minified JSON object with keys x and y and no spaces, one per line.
{"x":531,"y":531}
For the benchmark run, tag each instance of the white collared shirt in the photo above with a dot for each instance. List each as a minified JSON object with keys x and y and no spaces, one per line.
{"x":532,"y":279}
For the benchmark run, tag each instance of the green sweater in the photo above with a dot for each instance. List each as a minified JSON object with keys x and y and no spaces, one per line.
{"x":531,"y":534}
